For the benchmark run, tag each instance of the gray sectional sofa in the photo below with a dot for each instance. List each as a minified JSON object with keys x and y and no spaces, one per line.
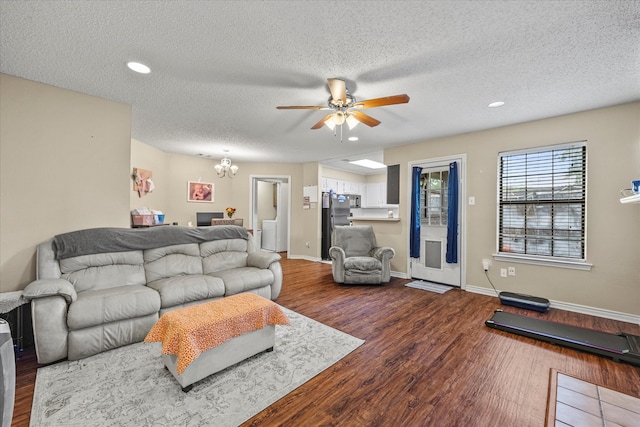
{"x":98,"y":289}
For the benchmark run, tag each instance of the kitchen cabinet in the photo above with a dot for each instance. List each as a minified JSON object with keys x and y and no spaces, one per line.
{"x":375,"y":194}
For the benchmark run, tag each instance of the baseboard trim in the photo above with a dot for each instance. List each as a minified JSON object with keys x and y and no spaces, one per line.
{"x":576,"y":308}
{"x":305,"y":257}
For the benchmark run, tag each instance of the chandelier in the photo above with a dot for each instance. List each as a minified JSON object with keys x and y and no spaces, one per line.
{"x":225,"y":168}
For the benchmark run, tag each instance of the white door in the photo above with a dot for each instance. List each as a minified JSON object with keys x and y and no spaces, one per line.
{"x":434,"y":208}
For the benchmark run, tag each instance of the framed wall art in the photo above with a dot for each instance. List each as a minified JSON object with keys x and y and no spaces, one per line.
{"x":199,"y":191}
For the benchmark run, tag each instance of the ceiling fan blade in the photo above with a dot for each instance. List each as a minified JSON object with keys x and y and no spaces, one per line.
{"x":366,"y":119}
{"x":379,"y":102}
{"x":338,"y":89}
{"x":321,"y":122}
{"x":301,"y":107}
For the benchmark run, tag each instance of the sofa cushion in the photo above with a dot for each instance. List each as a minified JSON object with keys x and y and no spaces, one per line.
{"x":101,"y":306}
{"x":237,"y":280}
{"x":89,"y":341}
{"x":363,"y":264}
{"x":185,"y":289}
{"x":222,"y":255}
{"x":354,"y":240}
{"x":171,"y":261}
{"x":102,"y":271}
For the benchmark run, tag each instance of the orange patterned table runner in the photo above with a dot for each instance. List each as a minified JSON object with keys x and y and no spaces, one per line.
{"x":188,"y":332}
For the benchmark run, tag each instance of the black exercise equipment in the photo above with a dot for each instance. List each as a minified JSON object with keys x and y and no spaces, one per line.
{"x":528,"y":302}
{"x":619,"y":347}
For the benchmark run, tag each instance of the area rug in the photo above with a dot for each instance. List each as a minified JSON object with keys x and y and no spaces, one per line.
{"x":429,"y":286}
{"x":129,"y":386}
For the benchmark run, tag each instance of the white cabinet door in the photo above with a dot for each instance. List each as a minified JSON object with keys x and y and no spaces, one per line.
{"x":376,"y":194}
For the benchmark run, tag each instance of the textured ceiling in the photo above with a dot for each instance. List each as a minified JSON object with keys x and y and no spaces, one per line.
{"x":219,"y":68}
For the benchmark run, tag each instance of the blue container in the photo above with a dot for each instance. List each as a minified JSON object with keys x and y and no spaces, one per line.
{"x":159,"y":219}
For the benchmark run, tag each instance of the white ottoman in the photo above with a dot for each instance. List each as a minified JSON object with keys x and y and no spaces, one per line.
{"x":218,"y":358}
{"x":203,"y":339}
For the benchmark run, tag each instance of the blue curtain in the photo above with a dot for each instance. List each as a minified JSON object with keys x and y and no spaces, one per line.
{"x":414,"y":232}
{"x":452,"y":216}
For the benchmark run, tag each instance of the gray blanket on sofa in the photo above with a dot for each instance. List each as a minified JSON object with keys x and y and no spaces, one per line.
{"x":100,"y":240}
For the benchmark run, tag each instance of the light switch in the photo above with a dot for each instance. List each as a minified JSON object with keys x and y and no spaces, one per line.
{"x":472,"y":200}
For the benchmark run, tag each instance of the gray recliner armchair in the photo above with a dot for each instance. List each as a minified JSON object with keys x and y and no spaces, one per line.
{"x":355,"y":257}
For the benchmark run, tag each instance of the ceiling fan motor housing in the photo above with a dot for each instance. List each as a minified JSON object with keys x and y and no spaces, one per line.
{"x":337,"y":103}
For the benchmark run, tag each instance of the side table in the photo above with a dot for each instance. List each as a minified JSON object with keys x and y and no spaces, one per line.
{"x":8,"y":302}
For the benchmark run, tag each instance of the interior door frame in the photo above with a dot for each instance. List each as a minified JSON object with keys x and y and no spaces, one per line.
{"x":462,"y":206}
{"x":253,"y":180}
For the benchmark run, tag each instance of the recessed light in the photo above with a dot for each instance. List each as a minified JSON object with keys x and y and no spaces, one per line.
{"x":496,"y":104}
{"x":353,"y":138}
{"x":368,"y":164}
{"x":138,"y":67}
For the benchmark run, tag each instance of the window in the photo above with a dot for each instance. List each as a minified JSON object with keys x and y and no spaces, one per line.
{"x":541,"y":203}
{"x":433,"y":197}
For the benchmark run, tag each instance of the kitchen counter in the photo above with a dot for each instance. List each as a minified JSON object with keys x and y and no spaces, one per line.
{"x":373,"y":218}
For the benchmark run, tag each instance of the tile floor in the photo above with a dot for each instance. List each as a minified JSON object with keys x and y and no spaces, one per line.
{"x":582,"y":404}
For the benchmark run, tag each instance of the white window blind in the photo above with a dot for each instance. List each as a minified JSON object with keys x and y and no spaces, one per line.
{"x":541,"y":208}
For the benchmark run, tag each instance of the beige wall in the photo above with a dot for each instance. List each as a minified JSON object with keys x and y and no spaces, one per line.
{"x":64,"y":165}
{"x":613,"y":229}
{"x":309,"y":219}
{"x":146,"y":157}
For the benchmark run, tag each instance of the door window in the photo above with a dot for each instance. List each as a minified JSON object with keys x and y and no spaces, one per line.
{"x":433,"y":198}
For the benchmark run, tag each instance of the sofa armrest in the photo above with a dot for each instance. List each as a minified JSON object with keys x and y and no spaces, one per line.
{"x":337,"y":255}
{"x":262,"y":259}
{"x":50,"y":332}
{"x":50,"y":287}
{"x":382,"y":252}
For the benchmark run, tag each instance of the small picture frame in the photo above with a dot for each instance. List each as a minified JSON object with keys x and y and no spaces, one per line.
{"x":199,"y":192}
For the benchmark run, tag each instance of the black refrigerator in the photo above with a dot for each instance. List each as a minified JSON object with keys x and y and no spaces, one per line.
{"x":335,"y":211}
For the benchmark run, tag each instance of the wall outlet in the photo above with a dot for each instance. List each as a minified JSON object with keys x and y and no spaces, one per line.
{"x":512,"y":271}
{"x":503,"y":272}
{"x":486,"y":264}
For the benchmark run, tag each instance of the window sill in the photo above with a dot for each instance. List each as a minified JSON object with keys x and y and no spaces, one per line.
{"x":547,"y":262}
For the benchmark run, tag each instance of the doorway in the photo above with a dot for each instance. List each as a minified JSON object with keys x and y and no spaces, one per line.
{"x":434,"y":204}
{"x":270,"y":212}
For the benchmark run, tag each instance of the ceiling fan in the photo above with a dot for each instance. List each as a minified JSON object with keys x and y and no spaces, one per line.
{"x":345,"y":107}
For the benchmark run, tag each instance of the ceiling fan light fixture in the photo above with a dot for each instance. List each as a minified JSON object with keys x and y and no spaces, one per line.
{"x":330,"y":123}
{"x":352,"y":121}
{"x":339,"y":118}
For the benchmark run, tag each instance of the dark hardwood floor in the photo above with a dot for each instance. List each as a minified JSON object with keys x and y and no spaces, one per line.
{"x":428,"y":359}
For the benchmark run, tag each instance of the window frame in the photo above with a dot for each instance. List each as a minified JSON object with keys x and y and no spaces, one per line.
{"x":546,"y":260}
